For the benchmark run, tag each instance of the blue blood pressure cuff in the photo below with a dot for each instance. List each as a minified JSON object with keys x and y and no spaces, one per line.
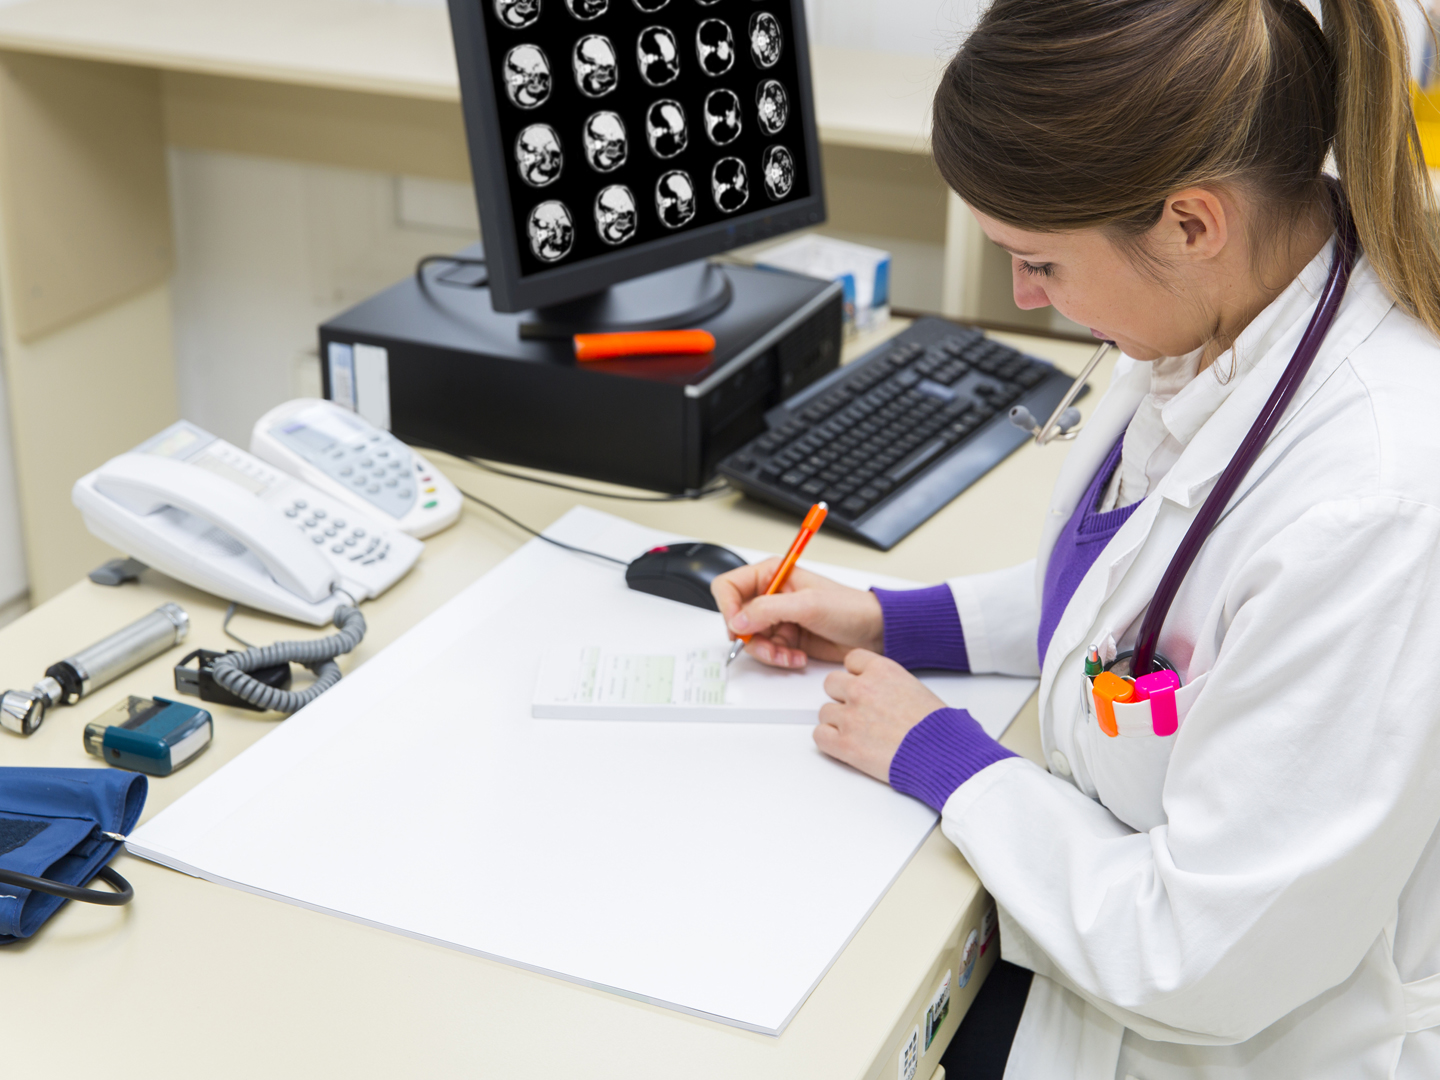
{"x":54,"y":825}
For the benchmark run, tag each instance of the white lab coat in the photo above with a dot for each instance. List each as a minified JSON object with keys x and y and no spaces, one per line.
{"x":1257,"y":895}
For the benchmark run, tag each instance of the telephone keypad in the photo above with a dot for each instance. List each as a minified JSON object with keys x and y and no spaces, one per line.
{"x":357,"y":548}
{"x":366,"y":465}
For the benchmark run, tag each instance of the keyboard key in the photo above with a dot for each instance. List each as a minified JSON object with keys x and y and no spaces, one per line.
{"x":812,"y":489}
{"x":792,"y":479}
{"x":912,"y":464}
{"x":855,"y":504}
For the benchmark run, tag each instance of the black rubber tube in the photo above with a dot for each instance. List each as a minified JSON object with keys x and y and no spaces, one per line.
{"x":123,"y":893}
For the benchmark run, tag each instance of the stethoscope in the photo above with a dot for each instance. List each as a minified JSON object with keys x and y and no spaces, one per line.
{"x":1064,"y":423}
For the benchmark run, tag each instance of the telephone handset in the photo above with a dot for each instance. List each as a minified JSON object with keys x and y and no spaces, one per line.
{"x":205,"y":512}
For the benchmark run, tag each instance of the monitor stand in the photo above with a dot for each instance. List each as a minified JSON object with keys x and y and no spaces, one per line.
{"x":671,"y":299}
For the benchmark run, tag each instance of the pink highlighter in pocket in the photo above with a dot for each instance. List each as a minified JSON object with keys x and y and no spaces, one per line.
{"x":1159,"y":689}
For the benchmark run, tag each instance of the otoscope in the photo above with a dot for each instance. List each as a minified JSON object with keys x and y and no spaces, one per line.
{"x":65,"y":683}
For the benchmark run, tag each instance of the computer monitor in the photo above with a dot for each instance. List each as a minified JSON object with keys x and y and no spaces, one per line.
{"x":611,"y":139}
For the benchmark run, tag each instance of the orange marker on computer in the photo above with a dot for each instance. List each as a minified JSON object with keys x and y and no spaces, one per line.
{"x":808,"y":528}
{"x":643,"y":343}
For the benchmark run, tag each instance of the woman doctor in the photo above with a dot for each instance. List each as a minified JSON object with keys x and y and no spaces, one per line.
{"x":1257,"y":894}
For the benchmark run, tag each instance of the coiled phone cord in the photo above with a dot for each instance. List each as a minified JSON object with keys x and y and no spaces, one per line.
{"x":318,"y":655}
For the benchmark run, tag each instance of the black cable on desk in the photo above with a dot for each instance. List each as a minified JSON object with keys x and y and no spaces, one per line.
{"x":715,"y":487}
{"x":536,"y":533}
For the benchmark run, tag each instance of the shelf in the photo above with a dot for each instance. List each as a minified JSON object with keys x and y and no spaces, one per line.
{"x":387,"y":49}
{"x":863,"y":99}
{"x":874,"y":100}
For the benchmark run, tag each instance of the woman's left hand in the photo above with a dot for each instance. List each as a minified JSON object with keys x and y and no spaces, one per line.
{"x":876,"y":704}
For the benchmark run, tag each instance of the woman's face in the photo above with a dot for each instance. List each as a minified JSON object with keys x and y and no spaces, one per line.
{"x":1091,"y":281}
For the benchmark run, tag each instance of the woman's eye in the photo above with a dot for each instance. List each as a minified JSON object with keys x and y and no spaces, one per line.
{"x":1039,"y":270}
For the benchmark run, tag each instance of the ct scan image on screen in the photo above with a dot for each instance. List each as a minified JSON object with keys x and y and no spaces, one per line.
{"x":627,"y":121}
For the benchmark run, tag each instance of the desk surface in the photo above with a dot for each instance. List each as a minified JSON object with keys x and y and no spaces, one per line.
{"x":869,"y":99}
{"x":251,"y":987}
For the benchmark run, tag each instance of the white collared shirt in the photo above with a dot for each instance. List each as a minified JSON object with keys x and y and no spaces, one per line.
{"x":1180,"y":401}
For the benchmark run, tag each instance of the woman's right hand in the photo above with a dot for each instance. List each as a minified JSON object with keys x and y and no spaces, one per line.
{"x":810,"y":616}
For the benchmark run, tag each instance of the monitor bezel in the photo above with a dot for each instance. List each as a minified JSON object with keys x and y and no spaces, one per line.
{"x":489,"y":158}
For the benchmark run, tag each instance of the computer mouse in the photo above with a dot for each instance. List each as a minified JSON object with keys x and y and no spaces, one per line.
{"x":682,"y":572}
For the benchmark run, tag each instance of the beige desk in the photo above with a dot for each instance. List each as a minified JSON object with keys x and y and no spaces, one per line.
{"x":194,"y":979}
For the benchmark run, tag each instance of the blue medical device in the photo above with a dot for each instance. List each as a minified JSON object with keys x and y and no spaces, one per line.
{"x":154,"y":736}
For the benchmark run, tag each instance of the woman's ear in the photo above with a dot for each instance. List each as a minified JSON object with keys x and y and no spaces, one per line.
{"x":1194,"y":224}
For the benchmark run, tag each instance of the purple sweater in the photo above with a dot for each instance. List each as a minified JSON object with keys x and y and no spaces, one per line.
{"x":922,"y":630}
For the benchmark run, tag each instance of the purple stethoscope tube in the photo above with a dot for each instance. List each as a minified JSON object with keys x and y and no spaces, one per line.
{"x":1347,"y":250}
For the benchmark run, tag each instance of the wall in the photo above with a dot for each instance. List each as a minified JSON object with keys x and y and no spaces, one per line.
{"x":266,"y":250}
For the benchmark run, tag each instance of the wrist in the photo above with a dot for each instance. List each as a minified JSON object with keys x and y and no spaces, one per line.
{"x":874,"y":623}
{"x":921,"y":628}
{"x":940,"y":753}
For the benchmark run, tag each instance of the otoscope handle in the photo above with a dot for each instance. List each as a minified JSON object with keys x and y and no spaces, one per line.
{"x":122,"y":651}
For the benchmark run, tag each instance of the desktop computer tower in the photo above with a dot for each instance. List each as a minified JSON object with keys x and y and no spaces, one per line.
{"x":439,"y":367}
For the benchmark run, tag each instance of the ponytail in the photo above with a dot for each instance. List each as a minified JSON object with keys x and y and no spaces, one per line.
{"x":1377,"y":152}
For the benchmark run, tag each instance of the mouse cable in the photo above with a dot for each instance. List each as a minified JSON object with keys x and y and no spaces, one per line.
{"x":533,"y":532}
{"x":715,"y":487}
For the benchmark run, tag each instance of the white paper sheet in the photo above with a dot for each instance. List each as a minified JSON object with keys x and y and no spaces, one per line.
{"x":717,"y":869}
{"x":689,"y":682}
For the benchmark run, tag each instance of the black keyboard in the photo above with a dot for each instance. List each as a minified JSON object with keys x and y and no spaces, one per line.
{"x":891,"y":438}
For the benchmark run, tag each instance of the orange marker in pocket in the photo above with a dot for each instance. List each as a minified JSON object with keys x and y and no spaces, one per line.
{"x":1109,"y":688}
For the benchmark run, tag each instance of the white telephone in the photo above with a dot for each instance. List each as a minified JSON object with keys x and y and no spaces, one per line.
{"x":348,"y":458}
{"x":201,"y":510}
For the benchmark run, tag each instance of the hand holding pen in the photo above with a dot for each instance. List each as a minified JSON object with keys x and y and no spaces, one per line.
{"x":808,"y":528}
{"x":805,"y":615}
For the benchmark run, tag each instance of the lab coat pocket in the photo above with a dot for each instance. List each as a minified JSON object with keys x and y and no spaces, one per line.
{"x":1128,"y":769}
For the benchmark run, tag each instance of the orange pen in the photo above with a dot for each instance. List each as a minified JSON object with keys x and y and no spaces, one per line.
{"x":1109,"y":688}
{"x":808,"y":528}
{"x":643,"y":343}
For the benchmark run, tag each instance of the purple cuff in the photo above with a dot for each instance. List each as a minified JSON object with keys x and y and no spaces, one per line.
{"x":922,"y":629}
{"x":940,"y":753}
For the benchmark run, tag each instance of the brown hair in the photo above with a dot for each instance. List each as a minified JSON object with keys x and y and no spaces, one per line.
{"x":1060,"y":115}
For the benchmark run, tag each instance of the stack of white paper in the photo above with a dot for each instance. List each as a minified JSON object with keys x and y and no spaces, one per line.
{"x":714,"y":868}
